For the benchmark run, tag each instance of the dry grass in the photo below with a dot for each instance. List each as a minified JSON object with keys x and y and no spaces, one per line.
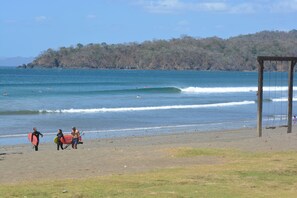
{"x":241,"y":174}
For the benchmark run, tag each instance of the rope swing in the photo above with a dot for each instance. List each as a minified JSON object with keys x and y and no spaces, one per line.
{"x":276,"y":115}
{"x":292,"y":62}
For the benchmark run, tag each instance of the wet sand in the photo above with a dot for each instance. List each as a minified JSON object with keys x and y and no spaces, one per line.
{"x":99,"y":157}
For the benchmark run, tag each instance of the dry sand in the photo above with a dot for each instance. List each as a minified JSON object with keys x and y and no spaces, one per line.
{"x":127,"y":155}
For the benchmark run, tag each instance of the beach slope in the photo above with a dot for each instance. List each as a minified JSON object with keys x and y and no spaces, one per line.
{"x":197,"y":159}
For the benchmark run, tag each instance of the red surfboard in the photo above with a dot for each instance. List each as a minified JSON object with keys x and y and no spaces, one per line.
{"x":34,"y":141}
{"x":68,"y":139}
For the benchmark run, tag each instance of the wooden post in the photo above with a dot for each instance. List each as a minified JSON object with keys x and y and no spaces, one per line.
{"x":260,"y":96}
{"x":290,"y":95}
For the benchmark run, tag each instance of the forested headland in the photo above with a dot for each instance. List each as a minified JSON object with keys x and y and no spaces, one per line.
{"x":185,"y":53}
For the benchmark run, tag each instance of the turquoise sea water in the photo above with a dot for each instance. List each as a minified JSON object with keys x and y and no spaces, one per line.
{"x":109,"y":103}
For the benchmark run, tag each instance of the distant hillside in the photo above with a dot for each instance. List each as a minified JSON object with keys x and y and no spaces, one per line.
{"x":186,"y":53}
{"x":15,"y":61}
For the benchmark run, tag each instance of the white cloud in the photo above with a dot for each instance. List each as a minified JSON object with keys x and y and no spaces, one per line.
{"x":209,"y":6}
{"x":169,"y":6}
{"x":162,"y":6}
{"x":225,"y":6}
{"x":244,"y":8}
{"x":91,"y":16}
{"x":284,"y":6}
{"x":40,"y":19}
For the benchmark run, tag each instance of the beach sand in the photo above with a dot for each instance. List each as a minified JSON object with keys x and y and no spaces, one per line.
{"x":115,"y":156}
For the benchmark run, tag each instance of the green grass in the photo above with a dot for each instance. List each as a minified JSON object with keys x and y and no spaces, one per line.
{"x":239,"y":174}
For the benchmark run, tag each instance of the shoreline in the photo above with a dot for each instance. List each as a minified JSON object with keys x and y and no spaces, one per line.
{"x":19,"y":139}
{"x":99,"y":157}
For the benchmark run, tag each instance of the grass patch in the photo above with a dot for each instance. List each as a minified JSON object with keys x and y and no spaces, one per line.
{"x":242,"y":174}
{"x":194,"y":152}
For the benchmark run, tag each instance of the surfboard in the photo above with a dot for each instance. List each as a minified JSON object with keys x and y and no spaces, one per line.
{"x":67,"y":139}
{"x":34,"y":141}
{"x":56,"y":140}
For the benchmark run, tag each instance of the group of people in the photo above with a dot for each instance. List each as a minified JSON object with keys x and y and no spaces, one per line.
{"x":74,"y":133}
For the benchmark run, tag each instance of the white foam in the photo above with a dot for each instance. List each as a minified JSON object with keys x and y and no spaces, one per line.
{"x":13,"y":135}
{"x":231,"y":89}
{"x":125,"y":109}
{"x":124,"y":129}
{"x":282,"y":99}
{"x":24,"y":135}
{"x":144,"y":128}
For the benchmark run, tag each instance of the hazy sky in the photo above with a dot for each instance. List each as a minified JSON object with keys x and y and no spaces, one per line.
{"x":28,"y":27}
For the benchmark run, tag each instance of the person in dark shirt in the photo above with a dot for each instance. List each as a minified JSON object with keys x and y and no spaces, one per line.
{"x":37,"y":134}
{"x":60,"y":136}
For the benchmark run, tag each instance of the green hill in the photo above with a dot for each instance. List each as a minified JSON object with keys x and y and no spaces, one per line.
{"x":186,"y":53}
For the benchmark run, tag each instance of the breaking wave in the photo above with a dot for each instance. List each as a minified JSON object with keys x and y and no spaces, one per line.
{"x":231,"y":89}
{"x":126,"y":109}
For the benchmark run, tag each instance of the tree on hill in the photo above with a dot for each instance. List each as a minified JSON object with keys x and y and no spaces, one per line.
{"x":186,"y":53}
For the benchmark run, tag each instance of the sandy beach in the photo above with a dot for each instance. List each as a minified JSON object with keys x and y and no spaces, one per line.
{"x":129,"y":155}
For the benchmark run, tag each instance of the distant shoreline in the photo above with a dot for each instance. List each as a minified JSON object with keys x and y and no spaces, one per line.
{"x":107,"y":69}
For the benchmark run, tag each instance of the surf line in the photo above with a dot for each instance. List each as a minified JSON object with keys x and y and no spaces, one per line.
{"x":145,"y":128}
{"x":156,"y":127}
{"x":120,"y":129}
{"x":110,"y":130}
{"x":113,"y":130}
{"x":123,"y":109}
{"x":210,"y":90}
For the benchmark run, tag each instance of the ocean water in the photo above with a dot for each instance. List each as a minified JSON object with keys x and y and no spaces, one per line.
{"x":119,"y":103}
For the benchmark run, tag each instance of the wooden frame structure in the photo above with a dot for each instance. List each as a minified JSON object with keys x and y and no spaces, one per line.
{"x":261,"y":60}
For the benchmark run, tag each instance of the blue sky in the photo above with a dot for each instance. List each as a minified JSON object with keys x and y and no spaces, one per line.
{"x":28,"y":27}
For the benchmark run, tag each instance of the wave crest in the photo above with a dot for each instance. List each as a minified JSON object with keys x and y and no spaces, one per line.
{"x":231,"y":89}
{"x":125,"y":109}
